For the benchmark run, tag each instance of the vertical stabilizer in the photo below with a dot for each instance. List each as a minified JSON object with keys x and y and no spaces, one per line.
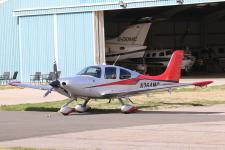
{"x":173,"y":70}
{"x":133,"y":35}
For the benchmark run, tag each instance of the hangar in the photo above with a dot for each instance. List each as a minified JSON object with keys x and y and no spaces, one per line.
{"x":34,"y":34}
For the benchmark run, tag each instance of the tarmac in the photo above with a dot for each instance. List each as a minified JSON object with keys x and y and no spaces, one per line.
{"x":200,"y":128}
{"x":27,"y":95}
{"x":189,"y":128}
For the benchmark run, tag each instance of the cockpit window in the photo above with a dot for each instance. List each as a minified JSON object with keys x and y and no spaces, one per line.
{"x":91,"y":71}
{"x":124,"y":74}
{"x":110,"y":73}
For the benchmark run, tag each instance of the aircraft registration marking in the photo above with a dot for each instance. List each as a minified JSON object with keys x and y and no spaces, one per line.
{"x":124,"y":39}
{"x":149,"y":84}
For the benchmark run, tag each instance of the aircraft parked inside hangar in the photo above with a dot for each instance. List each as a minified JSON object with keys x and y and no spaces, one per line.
{"x":113,"y":82}
{"x":129,"y":45}
{"x":163,"y":57}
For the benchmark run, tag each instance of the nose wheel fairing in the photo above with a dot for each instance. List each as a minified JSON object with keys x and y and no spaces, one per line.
{"x":66,"y":110}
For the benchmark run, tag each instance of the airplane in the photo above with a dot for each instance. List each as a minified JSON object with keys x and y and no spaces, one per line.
{"x":163,"y":57}
{"x":129,"y":47}
{"x":130,"y":43}
{"x":113,"y":82}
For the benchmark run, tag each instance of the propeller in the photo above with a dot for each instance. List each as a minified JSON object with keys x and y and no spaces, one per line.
{"x":55,"y":83}
{"x":48,"y":92}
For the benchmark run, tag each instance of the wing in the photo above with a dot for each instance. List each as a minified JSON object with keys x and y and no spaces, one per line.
{"x":140,"y":91}
{"x":40,"y":87}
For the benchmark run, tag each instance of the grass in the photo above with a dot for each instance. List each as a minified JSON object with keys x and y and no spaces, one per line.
{"x":21,"y":148}
{"x":197,"y":89}
{"x":182,"y":97}
{"x":104,"y":106}
{"x":7,"y":87}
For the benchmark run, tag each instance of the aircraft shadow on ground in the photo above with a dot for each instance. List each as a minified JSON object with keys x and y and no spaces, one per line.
{"x":42,"y":109}
{"x":108,"y":111}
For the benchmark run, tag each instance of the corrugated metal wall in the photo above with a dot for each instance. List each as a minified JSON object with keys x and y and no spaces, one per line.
{"x":37,"y":45}
{"x":75,"y":33}
{"x":75,"y":43}
{"x":9,"y":45}
{"x":75,"y":39}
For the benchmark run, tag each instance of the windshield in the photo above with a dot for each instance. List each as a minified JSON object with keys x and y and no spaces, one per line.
{"x":91,"y":71}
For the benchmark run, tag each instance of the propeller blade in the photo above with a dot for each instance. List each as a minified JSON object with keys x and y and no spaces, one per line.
{"x":55,"y":69}
{"x":48,"y":92}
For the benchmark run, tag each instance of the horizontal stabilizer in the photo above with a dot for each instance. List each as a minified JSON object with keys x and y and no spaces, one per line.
{"x":202,"y":83}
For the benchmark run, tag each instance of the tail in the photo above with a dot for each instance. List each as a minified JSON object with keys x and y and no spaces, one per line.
{"x":134,"y":35}
{"x":173,"y":70}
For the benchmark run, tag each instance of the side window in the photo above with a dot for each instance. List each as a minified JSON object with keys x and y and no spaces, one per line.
{"x":110,"y":73}
{"x":124,"y":74}
{"x":91,"y":71}
{"x":161,"y":54}
{"x":154,"y":54}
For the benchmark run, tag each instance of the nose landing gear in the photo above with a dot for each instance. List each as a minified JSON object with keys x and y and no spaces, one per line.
{"x":66,"y":110}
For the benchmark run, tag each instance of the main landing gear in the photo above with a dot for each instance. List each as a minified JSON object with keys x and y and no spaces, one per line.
{"x":66,"y":110}
{"x":126,"y":108}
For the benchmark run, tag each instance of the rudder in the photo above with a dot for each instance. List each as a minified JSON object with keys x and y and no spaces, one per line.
{"x":173,"y":70}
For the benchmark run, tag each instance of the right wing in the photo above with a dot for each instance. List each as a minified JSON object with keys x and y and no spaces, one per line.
{"x":125,"y":93}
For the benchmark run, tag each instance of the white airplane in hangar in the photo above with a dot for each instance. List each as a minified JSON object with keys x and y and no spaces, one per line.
{"x":113,"y":82}
{"x":129,"y":45}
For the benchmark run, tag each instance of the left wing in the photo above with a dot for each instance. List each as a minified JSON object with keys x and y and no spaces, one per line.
{"x":139,"y":91}
{"x":40,"y":87}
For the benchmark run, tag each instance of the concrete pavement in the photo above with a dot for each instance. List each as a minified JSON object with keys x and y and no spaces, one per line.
{"x":188,"y":128}
{"x":195,"y":128}
{"x":191,"y":136}
{"x":27,"y":95}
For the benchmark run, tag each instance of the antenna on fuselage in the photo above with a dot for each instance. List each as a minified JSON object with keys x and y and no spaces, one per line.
{"x":116,"y":60}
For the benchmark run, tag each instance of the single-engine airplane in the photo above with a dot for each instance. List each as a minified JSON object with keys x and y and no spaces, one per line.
{"x":113,"y":82}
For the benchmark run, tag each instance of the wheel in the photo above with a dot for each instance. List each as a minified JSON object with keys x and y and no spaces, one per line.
{"x":66,"y":110}
{"x":80,"y":108}
{"x":128,"y":109}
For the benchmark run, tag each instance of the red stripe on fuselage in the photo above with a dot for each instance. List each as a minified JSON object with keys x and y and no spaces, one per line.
{"x":132,"y":81}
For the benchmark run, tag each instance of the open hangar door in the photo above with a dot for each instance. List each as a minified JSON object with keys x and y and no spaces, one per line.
{"x":197,"y":29}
